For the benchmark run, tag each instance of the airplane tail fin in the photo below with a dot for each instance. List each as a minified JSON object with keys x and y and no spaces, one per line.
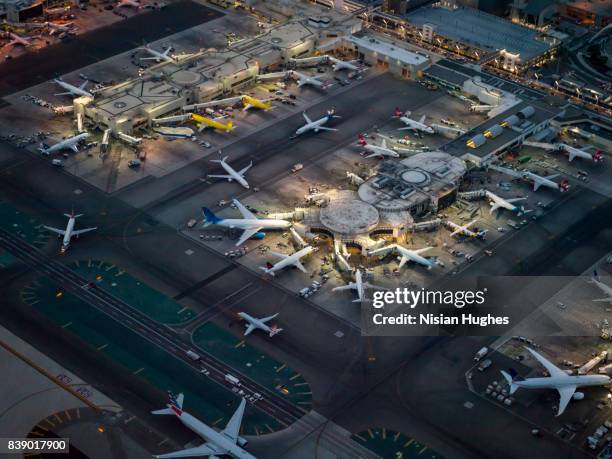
{"x":266,"y":269}
{"x":275,"y":331}
{"x":510,"y":381}
{"x":175,"y":405}
{"x":209,"y":217}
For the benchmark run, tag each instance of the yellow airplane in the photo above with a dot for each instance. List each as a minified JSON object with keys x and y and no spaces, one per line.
{"x":203,"y":122}
{"x":249,"y":102}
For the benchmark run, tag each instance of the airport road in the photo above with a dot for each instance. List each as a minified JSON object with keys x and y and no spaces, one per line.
{"x":161,"y":335}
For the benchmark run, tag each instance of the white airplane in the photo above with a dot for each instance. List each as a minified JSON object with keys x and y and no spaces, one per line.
{"x":458,"y":230}
{"x":254,"y":323}
{"x":318,"y":124}
{"x":17,"y":40}
{"x":497,"y":202}
{"x":604,"y":288}
{"x":359,"y":286}
{"x":249,"y":223}
{"x":407,"y":255}
{"x":71,"y":143}
{"x":304,"y":80}
{"x":412,"y":124}
{"x":375,"y":150}
{"x":287,"y":260}
{"x":342,"y":65}
{"x":158,"y":56}
{"x":73,"y":90}
{"x":61,"y":28}
{"x":226,"y":442}
{"x":131,"y":3}
{"x":535,"y":179}
{"x":231,"y":173}
{"x":565,"y":384}
{"x":69,"y":231}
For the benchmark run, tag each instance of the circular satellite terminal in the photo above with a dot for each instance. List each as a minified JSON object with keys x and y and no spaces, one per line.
{"x":349,"y":216}
{"x":415,"y":177}
{"x":276,"y":40}
{"x":186,"y":78}
{"x":120,"y":104}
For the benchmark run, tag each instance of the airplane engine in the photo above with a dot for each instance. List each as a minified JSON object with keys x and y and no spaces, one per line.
{"x":242,"y":442}
{"x":578,"y":396}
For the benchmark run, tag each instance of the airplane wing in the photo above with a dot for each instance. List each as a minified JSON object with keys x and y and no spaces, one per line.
{"x":246,"y":213}
{"x":403,"y":261}
{"x":277,"y":255}
{"x":308,"y":120}
{"x":84,"y":84}
{"x":550,"y":177}
{"x":55,"y":230}
{"x":269,"y":318}
{"x":550,"y":367}
{"x":326,"y":128}
{"x":232,"y":429}
{"x":405,"y":128}
{"x":374,"y":287}
{"x":384,"y":143}
{"x":221,"y":176}
{"x":536,"y":185}
{"x":420,"y":251}
{"x":457,"y":231}
{"x":149,"y":59}
{"x":343,"y":287}
{"x":68,"y":93}
{"x":74,"y":148}
{"x":207,"y":449}
{"x":372,"y":155}
{"x":247,"y":234}
{"x":243,"y":170}
{"x":382,"y":249}
{"x":422,"y":120}
{"x":565,"y":395}
{"x":603,"y":300}
{"x":298,"y":264}
{"x":515,"y":199}
{"x":84,"y":230}
{"x":250,"y":329}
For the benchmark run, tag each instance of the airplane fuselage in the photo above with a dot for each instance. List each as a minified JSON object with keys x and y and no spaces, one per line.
{"x":211,"y":435}
{"x":314,"y":126}
{"x":557,"y":383}
{"x":234,"y":175}
{"x":264,"y":223}
{"x":289,"y":261}
{"x":375,"y":149}
{"x":67,"y":143}
{"x":68,"y":234}
{"x":409,"y":122}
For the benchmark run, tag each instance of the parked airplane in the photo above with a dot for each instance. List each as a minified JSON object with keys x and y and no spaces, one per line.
{"x":254,"y":323}
{"x":535,"y":179}
{"x":227,"y":442}
{"x":412,"y":124}
{"x":342,"y":65}
{"x":250,"y":102}
{"x":287,"y":260}
{"x":73,"y":90}
{"x":249,"y":222}
{"x":17,"y":40}
{"x":565,"y":384}
{"x":603,"y":287}
{"x":498,"y":202}
{"x":303,"y":80}
{"x":203,"y":122}
{"x":132,"y":3}
{"x":359,"y":286}
{"x":231,"y":173}
{"x":71,"y":143}
{"x":458,"y":230}
{"x":318,"y":124}
{"x":406,"y":255}
{"x":61,"y":28}
{"x":158,"y":56}
{"x":376,"y":150}
{"x":69,"y":231}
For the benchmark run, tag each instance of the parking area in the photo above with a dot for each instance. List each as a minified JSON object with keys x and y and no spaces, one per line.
{"x":391,"y":444}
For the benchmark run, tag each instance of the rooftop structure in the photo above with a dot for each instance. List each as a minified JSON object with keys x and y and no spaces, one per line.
{"x":483,"y":30}
{"x":504,"y":131}
{"x":416,"y":185}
